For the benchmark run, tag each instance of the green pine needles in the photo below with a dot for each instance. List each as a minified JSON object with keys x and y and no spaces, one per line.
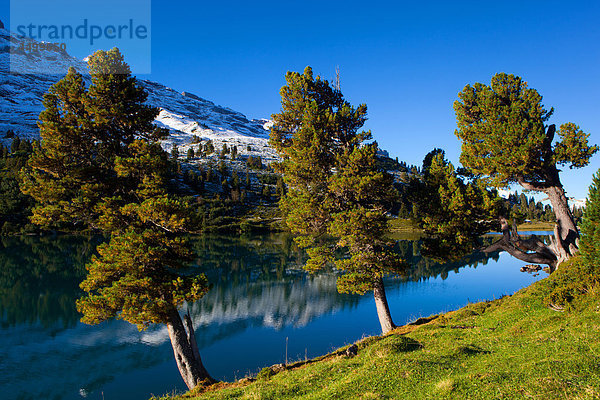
{"x":337,"y":194}
{"x":590,"y":226}
{"x":100,"y":167}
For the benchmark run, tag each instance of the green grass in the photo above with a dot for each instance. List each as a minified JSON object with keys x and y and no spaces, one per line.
{"x":407,"y":229}
{"x":536,"y":226}
{"x":512,"y":348}
{"x":404,"y":229}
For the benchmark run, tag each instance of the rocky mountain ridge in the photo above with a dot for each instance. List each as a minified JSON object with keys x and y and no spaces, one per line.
{"x":28,"y":69}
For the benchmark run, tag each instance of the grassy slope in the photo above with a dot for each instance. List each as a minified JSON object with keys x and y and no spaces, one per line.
{"x":406,"y":226}
{"x":536,"y":226}
{"x":515,"y":347}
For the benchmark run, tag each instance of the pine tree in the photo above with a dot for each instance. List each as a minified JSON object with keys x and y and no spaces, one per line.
{"x":254,"y":162}
{"x":100,"y":167}
{"x":316,"y":133}
{"x":65,"y":178}
{"x":280,"y":189}
{"x":266,"y":192}
{"x":175,"y":152}
{"x":116,"y":106}
{"x":590,"y":226}
{"x":14,"y":146}
{"x":222,"y":169}
{"x":235,"y":180}
{"x":453,"y":213}
{"x":209,"y":147}
{"x":224,"y":150}
{"x":505,"y":140}
{"x":190,"y":153}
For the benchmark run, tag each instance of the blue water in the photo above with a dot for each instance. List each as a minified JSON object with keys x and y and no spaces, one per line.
{"x":261,"y":301}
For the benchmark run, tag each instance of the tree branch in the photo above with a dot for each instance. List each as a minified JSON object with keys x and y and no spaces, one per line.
{"x":536,"y":257}
{"x":550,"y":133}
{"x":537,"y":186}
{"x":519,"y":248}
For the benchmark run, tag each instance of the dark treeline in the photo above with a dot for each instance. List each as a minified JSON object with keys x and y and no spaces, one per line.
{"x":15,"y":207}
{"x":226,"y":198}
{"x":521,"y":206}
{"x":530,"y":209}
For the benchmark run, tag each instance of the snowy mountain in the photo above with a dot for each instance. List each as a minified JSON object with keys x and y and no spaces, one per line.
{"x":21,"y":94}
{"x":185,"y":115}
{"x":577,"y":203}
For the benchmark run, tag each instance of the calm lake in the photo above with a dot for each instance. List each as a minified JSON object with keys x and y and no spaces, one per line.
{"x":261,"y":307}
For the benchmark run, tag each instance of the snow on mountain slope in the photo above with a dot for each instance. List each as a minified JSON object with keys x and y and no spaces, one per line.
{"x":577,"y":203}
{"x":21,"y":94}
{"x":185,"y":115}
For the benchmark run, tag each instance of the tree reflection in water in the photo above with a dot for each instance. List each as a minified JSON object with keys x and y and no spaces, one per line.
{"x":258,"y":286}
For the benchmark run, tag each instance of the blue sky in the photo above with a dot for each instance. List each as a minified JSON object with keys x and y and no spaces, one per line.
{"x":406,"y":60}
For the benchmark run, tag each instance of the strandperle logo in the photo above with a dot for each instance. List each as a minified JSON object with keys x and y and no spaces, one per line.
{"x":84,"y":31}
{"x":79,"y":28}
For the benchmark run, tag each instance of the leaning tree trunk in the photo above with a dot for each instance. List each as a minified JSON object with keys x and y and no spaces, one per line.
{"x":186,"y":351}
{"x":383,"y":310}
{"x":566,"y":236}
{"x":565,"y":242}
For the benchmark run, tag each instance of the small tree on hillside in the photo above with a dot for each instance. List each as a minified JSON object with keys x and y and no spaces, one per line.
{"x":175,"y":153}
{"x":280,"y":187}
{"x":224,"y":150}
{"x":100,"y":167}
{"x":335,"y":187}
{"x":505,"y":140}
{"x":590,"y":227}
{"x":209,"y":147}
{"x":190,"y":153}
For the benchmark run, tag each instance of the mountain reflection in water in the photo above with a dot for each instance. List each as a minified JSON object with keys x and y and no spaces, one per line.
{"x":260,"y":300}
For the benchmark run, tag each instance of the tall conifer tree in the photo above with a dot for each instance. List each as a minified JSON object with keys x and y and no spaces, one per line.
{"x":505,"y":139}
{"x":101,"y":167}
{"x":335,"y":186}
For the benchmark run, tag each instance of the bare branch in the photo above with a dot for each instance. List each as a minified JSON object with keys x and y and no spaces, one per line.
{"x":537,"y":186}
{"x":536,"y":257}
{"x":550,"y":133}
{"x":520,"y":248}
